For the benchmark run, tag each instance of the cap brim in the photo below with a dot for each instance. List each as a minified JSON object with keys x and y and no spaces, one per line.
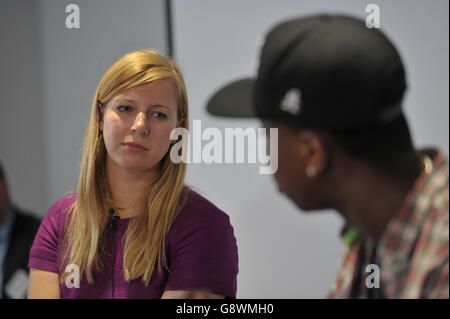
{"x":233,"y":100}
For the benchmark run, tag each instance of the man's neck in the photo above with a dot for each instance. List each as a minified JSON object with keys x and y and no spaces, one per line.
{"x":371,"y":200}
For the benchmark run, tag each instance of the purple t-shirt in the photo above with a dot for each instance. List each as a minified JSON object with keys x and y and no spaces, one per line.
{"x":201,"y":253}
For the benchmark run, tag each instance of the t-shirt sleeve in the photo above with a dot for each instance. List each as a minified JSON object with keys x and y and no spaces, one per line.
{"x":45,"y":249}
{"x":202,"y":251}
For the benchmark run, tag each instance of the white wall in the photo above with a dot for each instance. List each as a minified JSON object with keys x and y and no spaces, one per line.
{"x":22,"y":141}
{"x":48,"y":80}
{"x":73,"y":62}
{"x":285,"y":253}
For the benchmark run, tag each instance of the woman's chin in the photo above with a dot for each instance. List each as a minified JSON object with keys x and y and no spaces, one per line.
{"x":133,"y":166}
{"x":128,"y":163}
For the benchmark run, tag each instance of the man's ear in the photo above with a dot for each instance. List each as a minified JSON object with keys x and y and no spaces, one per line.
{"x":313,"y":150}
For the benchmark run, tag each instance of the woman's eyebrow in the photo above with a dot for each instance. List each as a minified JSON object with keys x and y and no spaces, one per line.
{"x":120,"y":100}
{"x":158,"y":105}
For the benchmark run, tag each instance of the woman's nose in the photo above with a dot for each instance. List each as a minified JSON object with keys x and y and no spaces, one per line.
{"x":141,"y":125}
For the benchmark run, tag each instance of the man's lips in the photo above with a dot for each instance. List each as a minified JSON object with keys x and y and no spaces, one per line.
{"x":134,"y":146}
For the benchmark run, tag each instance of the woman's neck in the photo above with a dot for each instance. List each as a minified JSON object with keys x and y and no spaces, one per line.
{"x":127,"y":186}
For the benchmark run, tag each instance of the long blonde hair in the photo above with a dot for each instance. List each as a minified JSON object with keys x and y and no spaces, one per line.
{"x":144,"y":241}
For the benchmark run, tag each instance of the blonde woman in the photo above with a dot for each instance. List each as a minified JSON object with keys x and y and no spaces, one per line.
{"x":134,"y":229}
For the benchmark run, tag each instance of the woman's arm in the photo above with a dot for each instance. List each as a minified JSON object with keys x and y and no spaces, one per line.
{"x":184,"y":294}
{"x":203,"y":254}
{"x":43,"y":284}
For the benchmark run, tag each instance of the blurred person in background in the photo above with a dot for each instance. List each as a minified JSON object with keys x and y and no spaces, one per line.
{"x":17,"y":231}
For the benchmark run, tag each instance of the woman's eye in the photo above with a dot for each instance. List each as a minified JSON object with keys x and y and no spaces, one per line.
{"x":124,"y":108}
{"x":159,"y":115}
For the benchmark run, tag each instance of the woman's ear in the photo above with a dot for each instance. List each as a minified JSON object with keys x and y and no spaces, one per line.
{"x":100,"y":110}
{"x":180,"y":123}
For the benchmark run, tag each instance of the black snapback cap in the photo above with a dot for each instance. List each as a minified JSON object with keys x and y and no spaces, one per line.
{"x":324,"y":71}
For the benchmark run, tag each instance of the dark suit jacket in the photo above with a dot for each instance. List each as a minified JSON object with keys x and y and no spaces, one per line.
{"x":21,"y":238}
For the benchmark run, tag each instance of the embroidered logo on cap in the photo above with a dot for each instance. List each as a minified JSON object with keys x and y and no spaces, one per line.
{"x":291,"y":102}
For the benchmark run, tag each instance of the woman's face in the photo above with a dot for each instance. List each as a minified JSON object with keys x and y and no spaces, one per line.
{"x":137,"y":123}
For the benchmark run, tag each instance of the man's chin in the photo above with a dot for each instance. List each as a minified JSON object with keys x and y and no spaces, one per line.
{"x":305,"y":206}
{"x":301,"y":203}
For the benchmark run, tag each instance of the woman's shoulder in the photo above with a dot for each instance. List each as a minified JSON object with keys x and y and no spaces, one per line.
{"x":199,"y":210}
{"x":63,"y":204}
{"x":58,"y":212}
{"x":200,"y":204}
{"x":202,"y":249}
{"x":203,"y":225}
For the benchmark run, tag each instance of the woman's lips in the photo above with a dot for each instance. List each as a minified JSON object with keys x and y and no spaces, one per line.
{"x":134,"y":147}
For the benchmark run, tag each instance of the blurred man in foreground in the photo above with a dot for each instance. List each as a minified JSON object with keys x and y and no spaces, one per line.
{"x":334,"y":90}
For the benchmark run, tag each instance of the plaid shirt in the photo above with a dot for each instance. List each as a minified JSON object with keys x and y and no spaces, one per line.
{"x":412,"y":253}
